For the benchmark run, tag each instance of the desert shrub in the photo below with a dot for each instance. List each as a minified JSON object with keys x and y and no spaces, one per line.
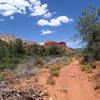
{"x":25,"y":70}
{"x":18,"y":46}
{"x":55,"y":50}
{"x":10,"y":63}
{"x":38,"y":61}
{"x":67,"y":61}
{"x":51,"y":51}
{"x":86,"y":68}
{"x":11,"y":54}
{"x":35,"y":49}
{"x":8,"y":66}
{"x":50,"y":80}
{"x":42,"y":51}
{"x":54,"y":71}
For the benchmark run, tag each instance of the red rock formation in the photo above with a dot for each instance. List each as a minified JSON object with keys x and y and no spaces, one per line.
{"x":62,"y":44}
{"x":48,"y":44}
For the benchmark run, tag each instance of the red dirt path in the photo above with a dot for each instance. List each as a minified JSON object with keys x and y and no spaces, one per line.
{"x":73,"y":84}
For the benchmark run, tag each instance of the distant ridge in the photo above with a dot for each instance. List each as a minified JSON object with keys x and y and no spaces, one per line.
{"x":10,"y":37}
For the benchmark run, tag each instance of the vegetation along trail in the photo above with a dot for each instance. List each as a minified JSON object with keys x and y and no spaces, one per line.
{"x":73,"y":84}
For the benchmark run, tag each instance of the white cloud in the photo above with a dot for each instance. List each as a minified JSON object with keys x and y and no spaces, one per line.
{"x":39,"y":10}
{"x":45,"y":32}
{"x":10,"y":7}
{"x":12,"y":17}
{"x":35,"y":2}
{"x":48,"y":15}
{"x":35,"y":7}
{"x":54,"y":22}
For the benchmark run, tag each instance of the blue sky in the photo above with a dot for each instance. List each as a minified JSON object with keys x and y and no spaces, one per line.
{"x":40,"y":20}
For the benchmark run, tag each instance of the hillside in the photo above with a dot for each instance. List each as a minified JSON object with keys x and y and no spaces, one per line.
{"x":10,"y":37}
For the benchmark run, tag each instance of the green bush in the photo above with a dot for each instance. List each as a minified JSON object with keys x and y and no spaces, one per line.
{"x":14,"y":52}
{"x":68,"y":61}
{"x":11,"y":54}
{"x":38,"y":61}
{"x":54,"y":71}
{"x":55,"y":50}
{"x":86,"y":68}
{"x":50,"y":80}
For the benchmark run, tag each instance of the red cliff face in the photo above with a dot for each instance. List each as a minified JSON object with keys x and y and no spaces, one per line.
{"x":48,"y":44}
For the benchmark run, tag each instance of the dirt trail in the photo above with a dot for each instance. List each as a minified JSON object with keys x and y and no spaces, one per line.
{"x":73,"y":84}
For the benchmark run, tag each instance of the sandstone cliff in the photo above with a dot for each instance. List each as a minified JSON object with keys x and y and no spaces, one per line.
{"x":9,"y":37}
{"x":48,"y":44}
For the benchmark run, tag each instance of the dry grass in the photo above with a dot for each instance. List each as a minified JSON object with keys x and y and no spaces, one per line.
{"x":54,"y":70}
{"x":86,"y":68}
{"x":50,"y":80}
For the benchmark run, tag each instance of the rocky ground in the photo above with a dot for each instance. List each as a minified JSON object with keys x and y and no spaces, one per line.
{"x":29,"y":94}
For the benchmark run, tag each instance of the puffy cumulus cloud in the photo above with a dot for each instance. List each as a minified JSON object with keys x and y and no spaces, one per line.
{"x":39,"y":10}
{"x":54,"y":22}
{"x":45,"y":32}
{"x":10,"y":7}
{"x":35,"y":7}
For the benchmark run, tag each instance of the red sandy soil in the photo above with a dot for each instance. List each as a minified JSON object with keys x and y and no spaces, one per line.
{"x":72,"y":84}
{"x":76,"y":82}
